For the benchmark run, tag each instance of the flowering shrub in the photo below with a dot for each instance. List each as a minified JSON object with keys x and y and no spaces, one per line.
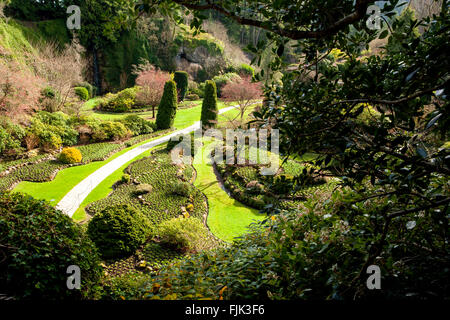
{"x":70,"y":156}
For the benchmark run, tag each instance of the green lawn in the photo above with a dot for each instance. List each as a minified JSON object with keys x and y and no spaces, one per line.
{"x":227,"y":217}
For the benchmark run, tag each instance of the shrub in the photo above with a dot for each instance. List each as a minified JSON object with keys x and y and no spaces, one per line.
{"x":122,"y":101}
{"x":70,"y":156}
{"x":184,"y":235}
{"x":137,"y":125}
{"x":143,"y":189}
{"x":181,"y":188}
{"x":168,"y":106}
{"x":118,"y":231}
{"x":192,"y":97}
{"x":53,"y":130}
{"x":223,"y":80}
{"x":110,"y":130}
{"x":82,"y":93}
{"x":210,"y":110}
{"x":245,"y":70}
{"x":48,"y":92}
{"x":11,"y":136}
{"x":126,"y":178}
{"x":182,"y":80}
{"x":38,"y":244}
{"x":92,"y":90}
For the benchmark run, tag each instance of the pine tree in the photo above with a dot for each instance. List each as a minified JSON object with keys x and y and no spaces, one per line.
{"x":167,"y":107}
{"x":210,"y":110}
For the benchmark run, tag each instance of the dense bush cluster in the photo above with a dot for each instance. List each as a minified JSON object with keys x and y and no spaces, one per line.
{"x":122,"y":101}
{"x":118,"y":231}
{"x":39,"y":243}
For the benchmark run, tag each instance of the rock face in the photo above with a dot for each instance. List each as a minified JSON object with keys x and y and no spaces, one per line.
{"x":200,"y":55}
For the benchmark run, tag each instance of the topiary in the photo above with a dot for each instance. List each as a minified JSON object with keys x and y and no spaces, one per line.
{"x":118,"y":231}
{"x":82,"y":93}
{"x":209,"y":108}
{"x":182,"y":80}
{"x":70,"y":156}
{"x":168,"y":106}
{"x":38,"y":244}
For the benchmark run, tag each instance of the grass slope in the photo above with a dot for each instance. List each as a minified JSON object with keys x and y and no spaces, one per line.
{"x":227,"y":217}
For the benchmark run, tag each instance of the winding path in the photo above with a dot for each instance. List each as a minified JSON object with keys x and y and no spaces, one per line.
{"x":75,"y":197}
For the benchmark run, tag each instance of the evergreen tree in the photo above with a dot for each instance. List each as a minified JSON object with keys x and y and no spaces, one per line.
{"x":167,"y":107}
{"x":182,"y":80}
{"x":210,"y":110}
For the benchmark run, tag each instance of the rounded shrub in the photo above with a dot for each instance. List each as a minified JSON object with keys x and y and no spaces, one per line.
{"x":70,"y":156}
{"x":181,"y":188}
{"x":82,"y":93}
{"x":182,"y":80}
{"x":92,"y":90}
{"x":38,"y":244}
{"x":210,"y":110}
{"x":118,"y":231}
{"x":181,"y":234}
{"x":168,"y":106}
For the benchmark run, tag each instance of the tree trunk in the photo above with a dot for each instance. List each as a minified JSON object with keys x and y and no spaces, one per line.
{"x":97,"y":79}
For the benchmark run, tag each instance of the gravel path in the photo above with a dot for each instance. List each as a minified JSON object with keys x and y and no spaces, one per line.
{"x":75,"y":197}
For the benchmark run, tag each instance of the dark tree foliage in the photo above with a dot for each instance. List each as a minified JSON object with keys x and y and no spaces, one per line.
{"x":182,"y":80}
{"x":168,"y":106}
{"x":210,"y":111}
{"x":39,"y":10}
{"x":38,"y":243}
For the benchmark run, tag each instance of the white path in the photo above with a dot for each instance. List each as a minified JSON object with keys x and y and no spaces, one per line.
{"x":75,"y":197}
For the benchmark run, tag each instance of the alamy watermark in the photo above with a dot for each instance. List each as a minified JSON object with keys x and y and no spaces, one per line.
{"x":74,"y":280}
{"x":374,"y":280}
{"x":74,"y":20}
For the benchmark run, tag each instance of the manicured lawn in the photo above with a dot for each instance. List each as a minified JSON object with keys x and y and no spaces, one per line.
{"x":227,"y":217}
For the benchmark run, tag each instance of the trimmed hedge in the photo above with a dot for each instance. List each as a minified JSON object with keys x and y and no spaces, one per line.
{"x":118,"y":231}
{"x":38,"y":244}
{"x":210,"y":110}
{"x":182,"y":80}
{"x":168,"y":106}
